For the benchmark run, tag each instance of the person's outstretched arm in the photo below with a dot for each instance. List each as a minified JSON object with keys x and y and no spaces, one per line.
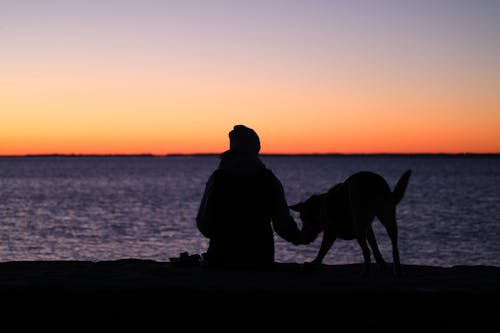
{"x":283,"y":223}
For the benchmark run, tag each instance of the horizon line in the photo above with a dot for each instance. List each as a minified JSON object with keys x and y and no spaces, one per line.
{"x":262,"y":154}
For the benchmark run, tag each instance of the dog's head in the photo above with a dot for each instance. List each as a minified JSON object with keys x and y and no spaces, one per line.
{"x":310,"y":215}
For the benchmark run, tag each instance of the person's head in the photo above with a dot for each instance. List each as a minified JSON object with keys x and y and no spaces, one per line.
{"x":244,"y":140}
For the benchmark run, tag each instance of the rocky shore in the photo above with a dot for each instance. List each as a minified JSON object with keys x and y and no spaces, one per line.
{"x":134,"y":286}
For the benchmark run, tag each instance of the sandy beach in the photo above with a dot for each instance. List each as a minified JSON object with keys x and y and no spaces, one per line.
{"x":108,"y":288}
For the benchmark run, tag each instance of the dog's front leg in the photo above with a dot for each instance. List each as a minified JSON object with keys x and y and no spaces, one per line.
{"x":326,"y":244}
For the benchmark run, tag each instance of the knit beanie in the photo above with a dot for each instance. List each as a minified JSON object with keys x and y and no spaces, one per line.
{"x":244,"y":139}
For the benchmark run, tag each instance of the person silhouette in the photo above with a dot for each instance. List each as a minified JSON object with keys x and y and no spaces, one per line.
{"x":243,"y":202}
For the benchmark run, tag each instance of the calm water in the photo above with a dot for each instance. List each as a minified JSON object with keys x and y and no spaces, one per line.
{"x":107,"y":208}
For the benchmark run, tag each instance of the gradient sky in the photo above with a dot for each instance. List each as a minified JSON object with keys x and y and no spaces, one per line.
{"x":309,"y":76}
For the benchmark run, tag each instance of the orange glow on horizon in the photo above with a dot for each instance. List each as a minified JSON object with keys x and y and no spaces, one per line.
{"x":77,"y":116}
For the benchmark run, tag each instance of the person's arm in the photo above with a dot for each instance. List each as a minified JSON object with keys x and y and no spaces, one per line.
{"x":203,"y":220}
{"x":283,"y":223}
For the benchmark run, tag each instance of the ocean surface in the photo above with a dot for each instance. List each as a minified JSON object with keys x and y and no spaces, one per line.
{"x":108,"y":208}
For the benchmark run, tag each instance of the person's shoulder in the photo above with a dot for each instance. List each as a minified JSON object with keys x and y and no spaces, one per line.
{"x":271,"y":172}
{"x":271,"y":177}
{"x":268,"y":173}
{"x":220,"y":174}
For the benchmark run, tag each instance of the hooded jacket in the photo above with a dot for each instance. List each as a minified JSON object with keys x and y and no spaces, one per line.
{"x":242,"y":204}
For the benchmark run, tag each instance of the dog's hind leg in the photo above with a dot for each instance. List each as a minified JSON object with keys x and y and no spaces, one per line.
{"x":370,"y":235}
{"x":361,"y":238}
{"x":389,"y":221}
{"x":393,"y":234}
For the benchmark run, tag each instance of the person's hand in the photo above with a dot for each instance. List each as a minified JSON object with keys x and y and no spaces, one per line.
{"x":300,"y":240}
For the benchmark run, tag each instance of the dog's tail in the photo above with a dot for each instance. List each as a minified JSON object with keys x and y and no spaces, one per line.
{"x":400,"y":188}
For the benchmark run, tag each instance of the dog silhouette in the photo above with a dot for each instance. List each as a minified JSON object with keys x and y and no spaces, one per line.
{"x":347,"y":211}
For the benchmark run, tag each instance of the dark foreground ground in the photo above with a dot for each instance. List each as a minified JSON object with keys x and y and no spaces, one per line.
{"x":161,"y":292}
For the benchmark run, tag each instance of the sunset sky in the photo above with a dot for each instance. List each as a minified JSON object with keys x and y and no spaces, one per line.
{"x":310,"y":76}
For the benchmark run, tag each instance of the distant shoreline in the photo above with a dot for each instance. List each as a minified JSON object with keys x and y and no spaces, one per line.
{"x":265,"y":155}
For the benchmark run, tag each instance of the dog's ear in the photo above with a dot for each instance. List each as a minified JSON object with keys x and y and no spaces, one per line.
{"x":297,"y":207}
